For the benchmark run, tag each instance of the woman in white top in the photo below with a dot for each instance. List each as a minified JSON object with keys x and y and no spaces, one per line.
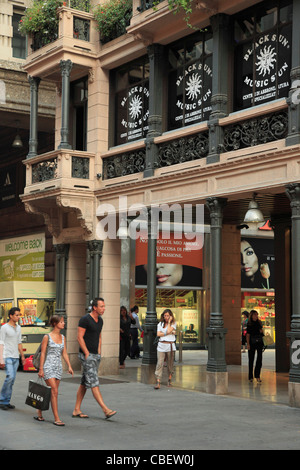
{"x":166,"y":330}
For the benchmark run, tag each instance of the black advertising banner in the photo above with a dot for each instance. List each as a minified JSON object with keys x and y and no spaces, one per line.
{"x":263,"y":68}
{"x":257,"y":263}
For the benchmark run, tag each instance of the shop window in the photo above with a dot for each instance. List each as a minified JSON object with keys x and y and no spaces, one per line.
{"x":131,"y":98}
{"x":188,"y":307}
{"x":36,"y":311}
{"x":18,"y":41}
{"x":263,"y":38}
{"x":5,"y":306}
{"x":264,"y":304}
{"x":190,"y":80}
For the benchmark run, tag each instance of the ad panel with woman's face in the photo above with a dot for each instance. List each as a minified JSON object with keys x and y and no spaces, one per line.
{"x":257,"y":263}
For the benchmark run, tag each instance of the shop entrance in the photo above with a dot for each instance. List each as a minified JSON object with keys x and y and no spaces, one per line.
{"x":189,"y":308}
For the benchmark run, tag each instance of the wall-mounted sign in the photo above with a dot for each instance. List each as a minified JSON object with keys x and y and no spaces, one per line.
{"x":23,"y":258}
{"x":179,"y":262}
{"x":272,"y":69}
{"x":8,"y":188}
{"x":257,"y":263}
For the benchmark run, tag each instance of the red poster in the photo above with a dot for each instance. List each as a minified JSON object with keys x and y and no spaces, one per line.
{"x":179,"y":261}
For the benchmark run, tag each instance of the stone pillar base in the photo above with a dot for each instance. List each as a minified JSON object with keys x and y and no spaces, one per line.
{"x":217,"y":383}
{"x":294,"y":394}
{"x":147,"y":373}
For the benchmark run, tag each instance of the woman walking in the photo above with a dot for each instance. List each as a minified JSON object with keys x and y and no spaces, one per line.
{"x":254,"y":343}
{"x":166,"y":330}
{"x":52,"y":349}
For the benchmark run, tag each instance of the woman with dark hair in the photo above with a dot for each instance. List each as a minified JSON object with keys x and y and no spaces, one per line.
{"x":255,"y":270}
{"x":166,"y":330}
{"x":254,"y":343}
{"x":53,"y":347}
{"x":125,"y":322}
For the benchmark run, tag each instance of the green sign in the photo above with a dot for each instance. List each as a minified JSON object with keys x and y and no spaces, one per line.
{"x":23,"y":258}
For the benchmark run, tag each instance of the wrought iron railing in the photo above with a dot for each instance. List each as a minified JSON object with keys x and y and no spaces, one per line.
{"x":44,"y":171}
{"x":124,"y":164}
{"x":183,"y":150}
{"x":259,"y":130}
{"x":81,"y":29}
{"x":80,"y":167}
{"x":147,"y":4}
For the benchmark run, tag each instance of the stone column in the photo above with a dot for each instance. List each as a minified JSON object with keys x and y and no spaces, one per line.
{"x":33,"y":133}
{"x":156,"y":63}
{"x":62,"y":254}
{"x":94,"y":255}
{"x":217,"y":375}
{"x":65,"y":67}
{"x":293,"y":193}
{"x":150,"y":327}
{"x":219,"y":99}
{"x":293,"y":100}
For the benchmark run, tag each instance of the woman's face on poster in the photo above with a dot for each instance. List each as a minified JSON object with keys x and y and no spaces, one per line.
{"x":249,"y":259}
{"x":168,"y":274}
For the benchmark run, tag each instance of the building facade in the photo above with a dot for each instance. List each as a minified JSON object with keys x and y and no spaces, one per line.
{"x":190,"y":117}
{"x":27,"y":264}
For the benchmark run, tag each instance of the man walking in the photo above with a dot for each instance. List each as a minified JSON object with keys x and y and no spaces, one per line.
{"x":89,"y":339}
{"x":10,"y":349}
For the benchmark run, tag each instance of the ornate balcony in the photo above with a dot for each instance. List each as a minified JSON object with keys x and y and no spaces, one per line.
{"x":61,"y":182}
{"x":77,"y":40}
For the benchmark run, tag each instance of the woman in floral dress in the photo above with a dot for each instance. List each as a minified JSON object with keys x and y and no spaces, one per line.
{"x":52,"y":349}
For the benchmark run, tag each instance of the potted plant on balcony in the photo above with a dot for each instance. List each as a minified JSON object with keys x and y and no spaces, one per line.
{"x":112,"y":17}
{"x":41,"y":22}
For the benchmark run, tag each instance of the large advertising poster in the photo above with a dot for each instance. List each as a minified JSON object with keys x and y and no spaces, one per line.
{"x":257,"y":263}
{"x":23,"y":258}
{"x":179,"y":262}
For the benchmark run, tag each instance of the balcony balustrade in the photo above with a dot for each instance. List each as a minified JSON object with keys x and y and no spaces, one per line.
{"x":60,"y":170}
{"x":76,"y":38}
{"x":241,"y":130}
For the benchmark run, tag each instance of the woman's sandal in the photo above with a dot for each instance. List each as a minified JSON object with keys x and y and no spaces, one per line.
{"x":38,"y":418}
{"x":58,"y":423}
{"x":110,"y":414}
{"x":157,"y":386}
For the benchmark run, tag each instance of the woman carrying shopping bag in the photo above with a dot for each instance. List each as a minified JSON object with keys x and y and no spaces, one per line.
{"x":53,"y":347}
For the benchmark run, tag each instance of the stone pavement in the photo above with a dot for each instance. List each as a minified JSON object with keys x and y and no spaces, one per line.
{"x":168,"y":420}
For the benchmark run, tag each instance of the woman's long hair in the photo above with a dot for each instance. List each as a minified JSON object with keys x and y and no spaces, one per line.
{"x":162,"y":320}
{"x":250,"y":321}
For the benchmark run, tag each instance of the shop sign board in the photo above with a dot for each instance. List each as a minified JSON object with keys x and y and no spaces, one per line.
{"x":23,"y":258}
{"x":270,"y":58}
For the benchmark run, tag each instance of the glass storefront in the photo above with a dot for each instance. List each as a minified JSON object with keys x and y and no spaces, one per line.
{"x":264,"y":304}
{"x":189,"y":310}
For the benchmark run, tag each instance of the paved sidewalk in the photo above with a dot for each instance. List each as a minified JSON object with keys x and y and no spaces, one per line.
{"x":167,"y":420}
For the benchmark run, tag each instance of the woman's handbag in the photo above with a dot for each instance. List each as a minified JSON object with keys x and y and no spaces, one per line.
{"x":38,"y":395}
{"x":268,"y":340}
{"x":37,"y":356}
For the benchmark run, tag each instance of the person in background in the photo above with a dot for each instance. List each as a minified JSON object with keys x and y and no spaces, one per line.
{"x":166,"y":331}
{"x":10,"y":350}
{"x":126,"y":320}
{"x":254,"y":343}
{"x":134,"y":332}
{"x":244,"y":330}
{"x":52,"y":349}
